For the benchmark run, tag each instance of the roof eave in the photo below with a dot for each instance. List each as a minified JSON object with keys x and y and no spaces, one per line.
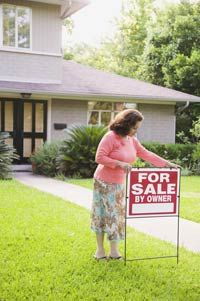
{"x":96,"y":96}
{"x":73,"y":7}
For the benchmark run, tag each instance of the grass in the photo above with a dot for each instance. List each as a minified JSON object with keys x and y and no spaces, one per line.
{"x":190,"y":195}
{"x":87,"y":183}
{"x":46,"y":254}
{"x":190,"y":184}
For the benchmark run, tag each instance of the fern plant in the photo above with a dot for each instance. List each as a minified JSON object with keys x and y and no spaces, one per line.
{"x":7,"y":155}
{"x":44,"y":159}
{"x":77,"y":154}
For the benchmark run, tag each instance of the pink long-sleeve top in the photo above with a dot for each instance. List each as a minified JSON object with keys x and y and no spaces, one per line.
{"x":113,"y":148}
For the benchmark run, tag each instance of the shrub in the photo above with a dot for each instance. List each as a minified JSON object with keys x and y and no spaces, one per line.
{"x":77,"y":154}
{"x":44,"y":160}
{"x":196,"y":158}
{"x":178,"y":153}
{"x":7,"y":155}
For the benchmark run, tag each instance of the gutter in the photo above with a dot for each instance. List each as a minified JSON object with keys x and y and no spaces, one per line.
{"x":69,"y":10}
{"x":100,"y":96}
{"x":66,"y":9}
{"x":181,"y":109}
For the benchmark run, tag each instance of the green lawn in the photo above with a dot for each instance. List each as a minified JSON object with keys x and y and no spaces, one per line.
{"x":46,"y":250}
{"x":190,"y":184}
{"x":190,"y":195}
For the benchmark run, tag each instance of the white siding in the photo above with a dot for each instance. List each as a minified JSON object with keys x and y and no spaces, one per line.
{"x":159,"y":123}
{"x":30,"y":67}
{"x":43,"y":63}
{"x":71,"y":112}
{"x":47,"y":28}
{"x":46,"y":25}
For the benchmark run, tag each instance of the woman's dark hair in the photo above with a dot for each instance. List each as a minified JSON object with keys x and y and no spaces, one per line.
{"x":124,"y":121}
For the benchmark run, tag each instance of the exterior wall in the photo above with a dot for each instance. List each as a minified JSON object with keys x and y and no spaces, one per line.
{"x":30,"y":67}
{"x":159,"y":123}
{"x":46,"y":25}
{"x":70,"y":112}
{"x":42,"y":63}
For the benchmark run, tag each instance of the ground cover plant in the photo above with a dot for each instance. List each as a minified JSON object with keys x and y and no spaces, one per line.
{"x":77,"y":153}
{"x":46,"y":254}
{"x":190,"y":195}
{"x":7,"y":155}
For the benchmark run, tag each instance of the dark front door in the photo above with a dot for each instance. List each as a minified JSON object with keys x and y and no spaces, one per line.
{"x":26,"y":121}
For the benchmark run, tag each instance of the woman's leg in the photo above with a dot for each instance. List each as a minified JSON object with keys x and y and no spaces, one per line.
{"x":114,"y":252}
{"x":100,"y":252}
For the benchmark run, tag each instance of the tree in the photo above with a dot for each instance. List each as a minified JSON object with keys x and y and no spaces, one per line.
{"x":172,"y":54}
{"x":122,"y":53}
{"x":185,"y":121}
{"x":158,"y":46}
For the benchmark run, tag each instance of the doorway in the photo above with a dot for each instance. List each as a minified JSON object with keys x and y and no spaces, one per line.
{"x":26,"y":122}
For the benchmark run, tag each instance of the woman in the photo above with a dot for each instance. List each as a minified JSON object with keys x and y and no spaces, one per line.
{"x":116,"y":152}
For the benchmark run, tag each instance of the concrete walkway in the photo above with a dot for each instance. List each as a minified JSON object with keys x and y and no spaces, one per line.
{"x":163,"y":228}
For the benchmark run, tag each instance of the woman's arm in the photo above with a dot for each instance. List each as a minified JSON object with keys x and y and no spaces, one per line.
{"x":105,"y":147}
{"x":152,"y":158}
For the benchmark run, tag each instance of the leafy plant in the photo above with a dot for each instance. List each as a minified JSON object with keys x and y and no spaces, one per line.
{"x":196,"y":158}
{"x":44,"y":160}
{"x":77,"y":154}
{"x":7,"y":155}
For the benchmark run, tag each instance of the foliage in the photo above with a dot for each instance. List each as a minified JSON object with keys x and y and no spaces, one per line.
{"x":77,"y":154}
{"x":44,"y":160}
{"x":196,"y":129}
{"x":172,"y":55}
{"x":47,"y":247}
{"x":122,"y":52}
{"x":196,"y":158}
{"x":140,"y":163}
{"x":158,"y":46}
{"x":7,"y":155}
{"x":181,"y":154}
{"x":69,"y":25}
{"x":185,"y":122}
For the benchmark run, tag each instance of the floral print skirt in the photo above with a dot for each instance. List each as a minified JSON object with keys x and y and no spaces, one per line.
{"x":108,"y":210}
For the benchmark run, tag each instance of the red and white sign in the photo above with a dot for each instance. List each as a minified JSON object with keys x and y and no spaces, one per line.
{"x":153,"y":192}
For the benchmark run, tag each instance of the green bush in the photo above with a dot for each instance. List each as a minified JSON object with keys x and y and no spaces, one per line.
{"x":7,"y":155}
{"x":181,"y":154}
{"x":44,"y":160}
{"x":77,"y":154}
{"x":196,"y":159}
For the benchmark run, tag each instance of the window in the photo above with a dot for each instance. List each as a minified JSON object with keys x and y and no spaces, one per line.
{"x":15,"y":26}
{"x":101,"y":113}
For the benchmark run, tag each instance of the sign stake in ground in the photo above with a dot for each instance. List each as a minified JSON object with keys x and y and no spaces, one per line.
{"x":152,"y":193}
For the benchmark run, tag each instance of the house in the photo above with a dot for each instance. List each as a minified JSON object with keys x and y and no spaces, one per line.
{"x":41,"y":94}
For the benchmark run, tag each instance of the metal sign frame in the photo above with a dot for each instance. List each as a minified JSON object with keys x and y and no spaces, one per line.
{"x":177,"y":215}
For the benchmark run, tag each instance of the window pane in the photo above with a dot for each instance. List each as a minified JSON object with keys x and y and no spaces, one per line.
{"x":129,"y":105}
{"x":27,"y":150}
{"x":9,"y":116}
{"x":38,"y":144}
{"x":93,"y":118}
{"x":105,"y":118}
{"x":100,"y":105}
{"x":39,"y":118}
{"x":9,"y":13}
{"x":119,"y":106}
{"x":27,"y":117}
{"x":23,"y":22}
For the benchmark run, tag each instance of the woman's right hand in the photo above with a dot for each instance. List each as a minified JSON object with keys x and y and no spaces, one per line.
{"x":125,"y":166}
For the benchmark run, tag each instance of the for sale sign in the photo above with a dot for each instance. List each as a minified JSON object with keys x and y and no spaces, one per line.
{"x":153,"y":192}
